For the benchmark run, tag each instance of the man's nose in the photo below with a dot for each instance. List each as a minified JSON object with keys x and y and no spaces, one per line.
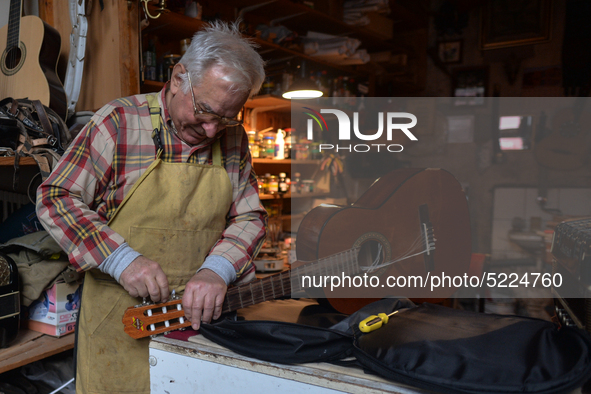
{"x":210,"y":128}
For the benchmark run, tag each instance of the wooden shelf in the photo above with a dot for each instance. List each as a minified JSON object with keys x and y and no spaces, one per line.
{"x":172,"y":26}
{"x":23,"y":161}
{"x":285,"y":161}
{"x":151,"y":86}
{"x":289,"y":195}
{"x":267,"y":100}
{"x":31,"y":346}
{"x":301,"y":16}
{"x":310,"y":195}
{"x":269,"y":46}
{"x":273,"y":196}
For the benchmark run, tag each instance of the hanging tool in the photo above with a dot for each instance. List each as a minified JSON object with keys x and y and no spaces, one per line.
{"x":374,"y":322}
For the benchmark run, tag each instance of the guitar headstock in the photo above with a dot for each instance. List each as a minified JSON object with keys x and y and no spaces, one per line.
{"x":144,"y":320}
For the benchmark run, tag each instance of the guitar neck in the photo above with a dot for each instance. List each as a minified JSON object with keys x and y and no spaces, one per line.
{"x":14,"y":23}
{"x":285,"y":283}
{"x":151,"y":319}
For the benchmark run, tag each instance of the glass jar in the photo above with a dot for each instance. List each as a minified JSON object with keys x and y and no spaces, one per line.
{"x":251,"y":136}
{"x":302,"y":151}
{"x":283,"y":185}
{"x":273,"y":184}
{"x":263,"y":185}
{"x":255,"y":151}
{"x":268,"y":146}
{"x":253,"y":144}
{"x":307,"y":186}
{"x":169,"y":62}
{"x":315,"y":151}
{"x":295,"y":185}
{"x":185,"y":45}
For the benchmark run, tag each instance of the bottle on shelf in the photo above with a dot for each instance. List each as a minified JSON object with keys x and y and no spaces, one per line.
{"x":253,"y":144}
{"x":279,"y":153}
{"x":265,"y":181}
{"x":295,"y":185}
{"x":289,"y":142}
{"x":283,"y":185}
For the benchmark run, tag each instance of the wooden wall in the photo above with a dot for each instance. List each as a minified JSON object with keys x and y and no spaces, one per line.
{"x":111,"y":67}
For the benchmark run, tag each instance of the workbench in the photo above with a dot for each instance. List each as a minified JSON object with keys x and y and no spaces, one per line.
{"x":198,"y":365}
{"x":201,"y":366}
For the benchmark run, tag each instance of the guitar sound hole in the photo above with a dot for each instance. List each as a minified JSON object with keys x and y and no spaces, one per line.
{"x":371,"y":256}
{"x":13,"y":58}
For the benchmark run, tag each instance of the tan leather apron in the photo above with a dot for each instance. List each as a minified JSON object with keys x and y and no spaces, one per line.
{"x":173,"y":215}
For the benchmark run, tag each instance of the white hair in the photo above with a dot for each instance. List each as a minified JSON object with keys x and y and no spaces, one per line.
{"x":222,"y":44}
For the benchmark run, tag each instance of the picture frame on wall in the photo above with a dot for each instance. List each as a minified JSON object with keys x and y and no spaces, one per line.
{"x":450,"y":52}
{"x":517,"y":22}
{"x":470,"y":85}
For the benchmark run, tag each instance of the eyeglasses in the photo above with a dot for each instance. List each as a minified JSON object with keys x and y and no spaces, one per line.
{"x":209,"y":116}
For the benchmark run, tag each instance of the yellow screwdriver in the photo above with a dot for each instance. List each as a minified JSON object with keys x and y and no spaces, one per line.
{"x":374,"y":322}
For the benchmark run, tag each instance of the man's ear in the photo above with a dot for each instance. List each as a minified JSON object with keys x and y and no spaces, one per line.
{"x":175,"y":79}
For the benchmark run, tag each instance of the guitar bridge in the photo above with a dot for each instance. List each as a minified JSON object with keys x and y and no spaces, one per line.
{"x":428,"y":237}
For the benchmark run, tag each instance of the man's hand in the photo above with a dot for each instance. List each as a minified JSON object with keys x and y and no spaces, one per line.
{"x":144,"y":277}
{"x":204,"y":297}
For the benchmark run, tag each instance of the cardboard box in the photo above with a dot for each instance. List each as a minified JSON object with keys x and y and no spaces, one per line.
{"x":56,"y":318}
{"x":51,"y":329}
{"x":55,"y":312}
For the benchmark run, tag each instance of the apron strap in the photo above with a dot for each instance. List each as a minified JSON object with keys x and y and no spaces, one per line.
{"x":216,"y":154}
{"x":156,"y":123}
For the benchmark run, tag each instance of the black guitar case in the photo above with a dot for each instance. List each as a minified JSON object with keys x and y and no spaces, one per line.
{"x":428,"y":346}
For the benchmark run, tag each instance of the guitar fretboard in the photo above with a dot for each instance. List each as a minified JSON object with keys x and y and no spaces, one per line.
{"x":288,"y":282}
{"x":14,"y":22}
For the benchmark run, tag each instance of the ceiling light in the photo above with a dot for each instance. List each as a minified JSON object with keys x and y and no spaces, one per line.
{"x":302,"y":87}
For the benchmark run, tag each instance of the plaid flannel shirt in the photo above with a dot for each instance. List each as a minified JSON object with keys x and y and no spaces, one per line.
{"x":107,"y":158}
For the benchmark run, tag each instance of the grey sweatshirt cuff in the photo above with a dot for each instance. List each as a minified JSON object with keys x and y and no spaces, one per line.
{"x":118,"y":261}
{"x":220,"y":266}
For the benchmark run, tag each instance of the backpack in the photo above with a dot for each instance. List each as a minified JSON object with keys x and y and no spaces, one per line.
{"x":28,"y":128}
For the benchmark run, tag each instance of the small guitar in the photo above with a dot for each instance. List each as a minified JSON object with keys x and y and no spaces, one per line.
{"x":410,"y":223}
{"x":29,"y":60}
{"x":568,"y":144}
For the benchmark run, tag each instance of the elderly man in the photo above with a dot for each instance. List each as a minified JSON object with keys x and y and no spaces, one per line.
{"x":156,"y":194}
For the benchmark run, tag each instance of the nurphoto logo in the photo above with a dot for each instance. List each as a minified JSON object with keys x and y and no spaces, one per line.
{"x":345,"y":129}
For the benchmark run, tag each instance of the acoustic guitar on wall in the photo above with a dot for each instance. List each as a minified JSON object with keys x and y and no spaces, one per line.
{"x":29,"y":59}
{"x":410,"y":223}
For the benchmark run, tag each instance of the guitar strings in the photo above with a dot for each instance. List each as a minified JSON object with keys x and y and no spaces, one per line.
{"x":281,"y":284}
{"x":268,"y":288}
{"x":416,"y":245}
